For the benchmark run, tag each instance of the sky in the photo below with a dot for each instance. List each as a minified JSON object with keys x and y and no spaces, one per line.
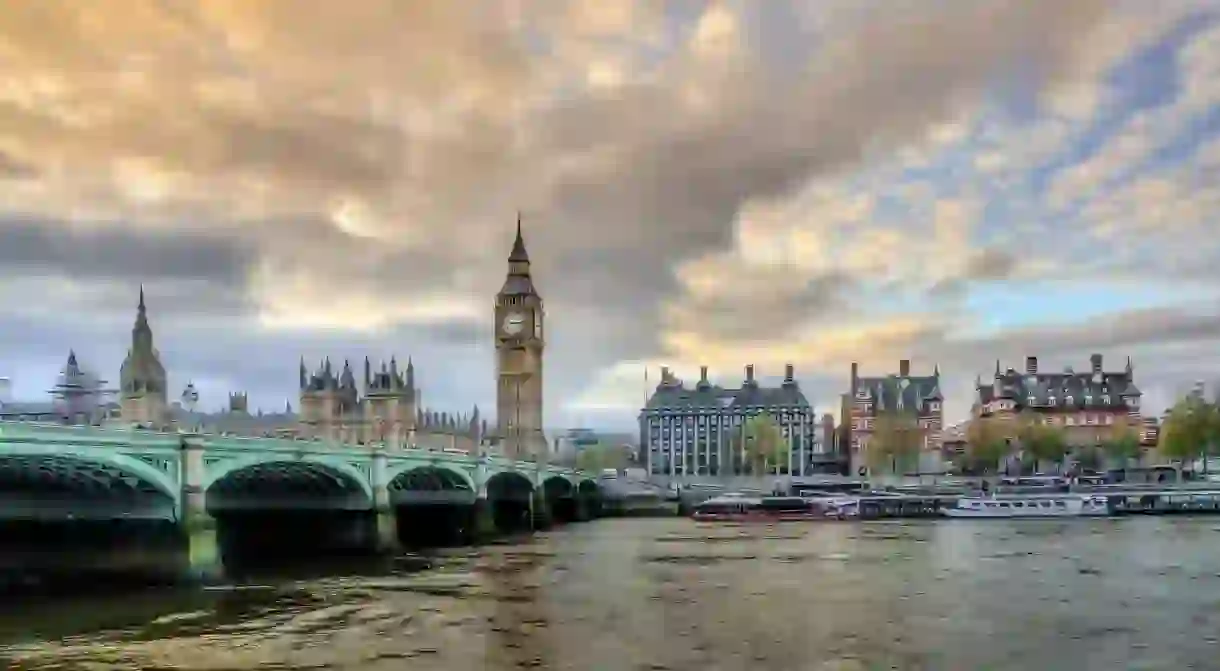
{"x":701,"y":182}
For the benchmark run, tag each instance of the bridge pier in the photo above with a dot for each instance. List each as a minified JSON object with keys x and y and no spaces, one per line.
{"x":482,"y":521}
{"x":203,"y":557}
{"x":387,"y":538}
{"x":540,"y":510}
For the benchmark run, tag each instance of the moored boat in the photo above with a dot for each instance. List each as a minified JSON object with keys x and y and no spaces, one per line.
{"x":1031,"y":505}
{"x":738,"y":508}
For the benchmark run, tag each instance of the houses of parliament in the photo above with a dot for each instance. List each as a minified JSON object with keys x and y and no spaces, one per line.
{"x":384,"y":405}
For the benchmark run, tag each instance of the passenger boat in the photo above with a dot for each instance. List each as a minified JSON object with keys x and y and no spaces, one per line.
{"x":1031,"y":505}
{"x":739,"y":508}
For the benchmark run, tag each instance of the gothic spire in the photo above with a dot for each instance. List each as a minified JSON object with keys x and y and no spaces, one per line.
{"x":519,"y":255}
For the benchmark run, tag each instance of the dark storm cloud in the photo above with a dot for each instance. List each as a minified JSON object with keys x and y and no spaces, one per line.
{"x":97,"y":251}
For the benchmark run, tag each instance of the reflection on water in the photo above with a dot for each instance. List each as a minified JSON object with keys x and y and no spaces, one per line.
{"x":669,"y":594}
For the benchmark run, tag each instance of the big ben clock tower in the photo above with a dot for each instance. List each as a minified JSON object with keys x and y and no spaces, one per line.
{"x":519,"y":347}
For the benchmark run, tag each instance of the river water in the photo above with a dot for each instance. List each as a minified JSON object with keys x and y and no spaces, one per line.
{"x":1136,"y":593}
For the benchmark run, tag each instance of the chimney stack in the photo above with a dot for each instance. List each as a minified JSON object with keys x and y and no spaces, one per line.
{"x":855,"y":376}
{"x":664,"y":374}
{"x":750,"y":373}
{"x":789,"y":373}
{"x":1031,"y":365}
{"x":1096,"y":361}
{"x":703,"y":373}
{"x":904,"y":368}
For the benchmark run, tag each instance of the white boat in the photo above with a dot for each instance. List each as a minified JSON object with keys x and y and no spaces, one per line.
{"x":1031,"y":505}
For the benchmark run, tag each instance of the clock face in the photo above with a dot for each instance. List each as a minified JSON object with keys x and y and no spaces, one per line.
{"x":514,"y":323}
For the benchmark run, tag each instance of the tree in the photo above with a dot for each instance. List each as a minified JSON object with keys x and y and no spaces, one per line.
{"x":1191,"y":430}
{"x":896,"y":442}
{"x":1042,"y":442}
{"x":765,"y":444}
{"x":602,"y":456}
{"x":986,"y":444}
{"x":1123,"y":443}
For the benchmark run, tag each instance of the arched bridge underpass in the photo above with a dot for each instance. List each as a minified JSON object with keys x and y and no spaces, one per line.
{"x":433,"y":506}
{"x":430,"y":485}
{"x":60,"y":488}
{"x":285,"y":510}
{"x":571,"y":503}
{"x":61,"y":513}
{"x":286,"y":485}
{"x":510,"y":496}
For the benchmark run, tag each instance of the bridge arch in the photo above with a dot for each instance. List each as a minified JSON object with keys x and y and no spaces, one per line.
{"x":451,"y":476}
{"x":33,"y":473}
{"x":306,"y":476}
{"x":558,"y":486}
{"x":509,"y":485}
{"x":430,"y":483}
{"x":588,"y":486}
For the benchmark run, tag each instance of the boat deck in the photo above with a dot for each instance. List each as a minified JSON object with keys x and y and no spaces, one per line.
{"x":1122,"y":502}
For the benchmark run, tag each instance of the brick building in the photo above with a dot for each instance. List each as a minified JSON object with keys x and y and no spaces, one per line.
{"x":1088,"y":404}
{"x":869,"y":397}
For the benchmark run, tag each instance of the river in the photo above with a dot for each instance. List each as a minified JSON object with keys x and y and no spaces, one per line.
{"x":1136,"y":593}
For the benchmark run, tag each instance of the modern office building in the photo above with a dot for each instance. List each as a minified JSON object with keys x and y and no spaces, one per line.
{"x":694,"y":430}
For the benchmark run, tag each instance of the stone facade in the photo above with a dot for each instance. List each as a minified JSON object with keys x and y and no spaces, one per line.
{"x":520,"y":343}
{"x":333,"y":408}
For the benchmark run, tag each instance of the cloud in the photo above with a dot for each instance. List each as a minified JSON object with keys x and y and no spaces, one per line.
{"x":700,"y":181}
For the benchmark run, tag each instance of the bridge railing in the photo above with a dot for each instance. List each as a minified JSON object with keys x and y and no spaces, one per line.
{"x":10,"y":430}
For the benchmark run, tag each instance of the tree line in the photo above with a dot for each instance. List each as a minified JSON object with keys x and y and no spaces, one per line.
{"x":1190,"y":431}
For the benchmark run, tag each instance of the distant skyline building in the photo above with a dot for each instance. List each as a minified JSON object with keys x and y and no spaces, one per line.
{"x":697,"y":431}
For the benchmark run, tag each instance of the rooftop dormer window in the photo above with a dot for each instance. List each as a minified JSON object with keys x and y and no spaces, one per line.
{"x":1050,"y":400}
{"x":1105,"y":399}
{"x":1068,"y":400}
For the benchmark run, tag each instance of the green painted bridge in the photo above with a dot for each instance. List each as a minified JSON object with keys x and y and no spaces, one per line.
{"x":223,"y":494}
{"x":53,"y":472}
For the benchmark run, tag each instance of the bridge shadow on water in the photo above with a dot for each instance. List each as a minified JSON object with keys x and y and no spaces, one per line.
{"x":47,"y":558}
{"x":258,"y":541}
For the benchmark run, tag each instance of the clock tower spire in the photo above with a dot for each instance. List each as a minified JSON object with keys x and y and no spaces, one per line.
{"x":519,"y":347}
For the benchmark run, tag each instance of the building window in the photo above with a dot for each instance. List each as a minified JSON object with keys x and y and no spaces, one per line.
{"x":935,"y":406}
{"x":1067,"y":400}
{"x":1105,"y":399}
{"x":1050,"y":400}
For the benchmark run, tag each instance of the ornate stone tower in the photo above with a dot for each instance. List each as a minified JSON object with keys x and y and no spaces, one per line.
{"x":389,"y":403}
{"x":519,"y":348}
{"x":142,"y":385}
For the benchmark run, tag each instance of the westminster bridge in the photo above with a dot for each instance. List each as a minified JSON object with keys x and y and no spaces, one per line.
{"x":219,"y":497}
